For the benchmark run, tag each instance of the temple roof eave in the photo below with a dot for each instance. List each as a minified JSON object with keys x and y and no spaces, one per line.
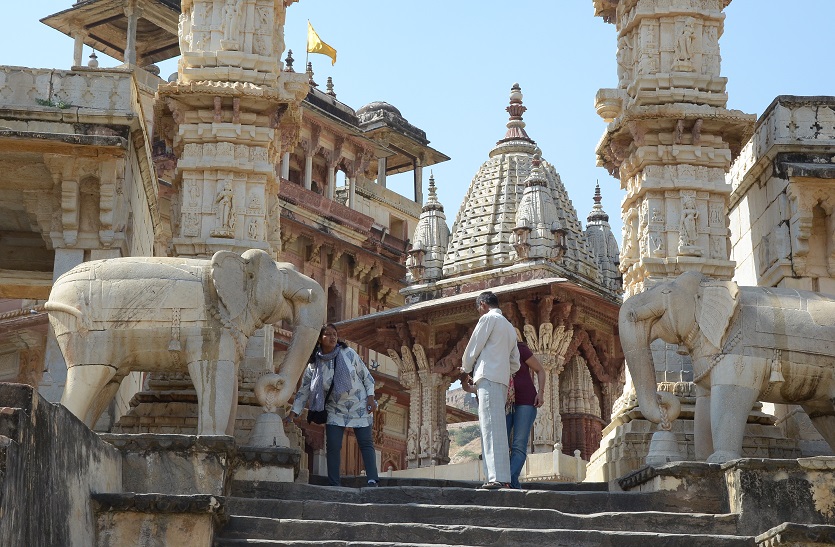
{"x":364,"y":330}
{"x":101,"y":24}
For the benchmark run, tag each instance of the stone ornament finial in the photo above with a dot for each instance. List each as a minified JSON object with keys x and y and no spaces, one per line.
{"x":329,"y":87}
{"x":310,"y":75}
{"x":515,"y":125}
{"x":288,"y":61}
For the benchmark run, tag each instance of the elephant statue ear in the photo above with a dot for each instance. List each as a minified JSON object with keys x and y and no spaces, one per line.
{"x":231,"y":278}
{"x":718,"y":303}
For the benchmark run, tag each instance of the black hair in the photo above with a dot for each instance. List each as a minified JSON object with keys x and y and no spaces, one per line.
{"x":489,"y":298}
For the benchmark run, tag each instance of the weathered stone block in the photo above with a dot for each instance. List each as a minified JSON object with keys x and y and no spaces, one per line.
{"x":175,"y":464}
{"x":767,"y":493}
{"x":155,"y":519}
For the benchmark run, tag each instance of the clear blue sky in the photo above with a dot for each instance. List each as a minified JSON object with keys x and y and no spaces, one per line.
{"x":448,"y":66}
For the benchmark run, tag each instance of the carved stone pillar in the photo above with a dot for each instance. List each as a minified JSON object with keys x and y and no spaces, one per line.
{"x":548,"y":345}
{"x":285,"y":165}
{"x":418,"y":181}
{"x":235,"y":112}
{"x":671,"y":164}
{"x":381,"y":172}
{"x":427,"y":440}
{"x":133,"y":18}
{"x":78,"y":48}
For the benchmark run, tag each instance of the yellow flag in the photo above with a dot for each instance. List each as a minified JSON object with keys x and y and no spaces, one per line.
{"x":316,"y":45}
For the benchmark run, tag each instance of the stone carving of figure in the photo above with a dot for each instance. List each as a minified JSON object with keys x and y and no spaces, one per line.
{"x":624,"y":58}
{"x":223,"y":202}
{"x":657,"y":217}
{"x":411,"y":445}
{"x":424,"y":442}
{"x":252,"y":229}
{"x":194,"y":195}
{"x":684,"y":42}
{"x":656,"y":244}
{"x":192,"y":225}
{"x":231,"y":17}
{"x":689,"y":216}
{"x":442,"y":444}
{"x":184,"y":31}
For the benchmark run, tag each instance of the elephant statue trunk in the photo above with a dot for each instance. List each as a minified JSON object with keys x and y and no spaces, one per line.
{"x":308,"y":317}
{"x":635,"y":333}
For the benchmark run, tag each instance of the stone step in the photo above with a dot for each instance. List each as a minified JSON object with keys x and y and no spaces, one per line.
{"x":579,"y":502}
{"x":501,"y":517}
{"x":295,"y":532}
{"x":360,"y":482}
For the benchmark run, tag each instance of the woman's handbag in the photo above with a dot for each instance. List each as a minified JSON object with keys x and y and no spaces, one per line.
{"x":320,"y":416}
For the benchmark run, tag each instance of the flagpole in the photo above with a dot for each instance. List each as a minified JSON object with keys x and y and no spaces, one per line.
{"x":307,"y":46}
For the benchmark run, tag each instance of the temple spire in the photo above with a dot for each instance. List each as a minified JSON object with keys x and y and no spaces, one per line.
{"x":597,"y":215}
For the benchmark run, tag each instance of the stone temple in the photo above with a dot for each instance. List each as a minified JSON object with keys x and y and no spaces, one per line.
{"x":241,"y":160}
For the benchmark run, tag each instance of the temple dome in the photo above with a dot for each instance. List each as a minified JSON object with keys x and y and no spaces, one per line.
{"x":483,"y":234}
{"x":378,"y":106}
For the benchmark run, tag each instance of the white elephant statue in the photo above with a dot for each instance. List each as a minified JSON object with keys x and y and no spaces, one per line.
{"x":746,"y":344}
{"x":112,"y":317}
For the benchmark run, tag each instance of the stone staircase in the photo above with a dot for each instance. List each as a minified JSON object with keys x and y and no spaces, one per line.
{"x":427,"y":512}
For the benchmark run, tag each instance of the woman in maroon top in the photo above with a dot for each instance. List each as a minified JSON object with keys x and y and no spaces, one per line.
{"x":522,"y":413}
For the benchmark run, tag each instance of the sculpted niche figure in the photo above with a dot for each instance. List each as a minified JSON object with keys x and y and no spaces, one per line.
{"x":231,"y":18}
{"x":223,"y":203}
{"x":689,"y":215}
{"x":684,"y":42}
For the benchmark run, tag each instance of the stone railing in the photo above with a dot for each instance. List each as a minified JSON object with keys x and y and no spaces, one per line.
{"x":319,"y":204}
{"x":373,"y":191}
{"x":77,"y":91}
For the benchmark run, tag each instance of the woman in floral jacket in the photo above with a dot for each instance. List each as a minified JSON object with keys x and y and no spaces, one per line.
{"x":337,"y":373}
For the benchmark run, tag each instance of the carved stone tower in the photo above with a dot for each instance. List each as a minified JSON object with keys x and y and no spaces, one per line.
{"x":670,"y":140}
{"x":233,"y":111}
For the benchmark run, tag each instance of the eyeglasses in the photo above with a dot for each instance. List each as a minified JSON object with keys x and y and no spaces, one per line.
{"x":329,"y":333}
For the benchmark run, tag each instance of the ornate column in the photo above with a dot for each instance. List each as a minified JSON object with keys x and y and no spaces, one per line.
{"x":670,"y":139}
{"x":235,"y":111}
{"x":548,"y":345}
{"x":427,"y":441}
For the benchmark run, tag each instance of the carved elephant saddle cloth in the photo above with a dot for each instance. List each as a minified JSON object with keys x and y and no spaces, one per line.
{"x":126,"y":291}
{"x":800,"y":325}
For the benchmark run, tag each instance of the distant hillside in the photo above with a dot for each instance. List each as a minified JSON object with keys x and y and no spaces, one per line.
{"x":464,"y":437}
{"x":461,"y":399}
{"x":465,"y":442}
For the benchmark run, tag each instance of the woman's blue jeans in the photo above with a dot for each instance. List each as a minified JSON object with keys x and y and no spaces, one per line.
{"x":333,"y":435}
{"x":519,"y":425}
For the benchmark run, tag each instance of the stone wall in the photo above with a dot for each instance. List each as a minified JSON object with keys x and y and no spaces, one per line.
{"x":49,"y":465}
{"x":782,"y":188}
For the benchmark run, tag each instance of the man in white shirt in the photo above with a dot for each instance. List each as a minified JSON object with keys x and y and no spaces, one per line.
{"x":491,"y":357}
